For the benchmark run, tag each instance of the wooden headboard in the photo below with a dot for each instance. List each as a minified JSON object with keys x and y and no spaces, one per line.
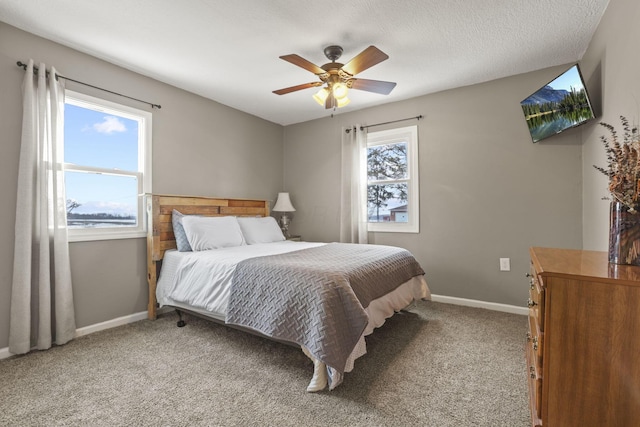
{"x":160,"y":229}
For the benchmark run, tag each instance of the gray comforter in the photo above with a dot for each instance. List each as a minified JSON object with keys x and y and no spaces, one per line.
{"x":316,"y":297}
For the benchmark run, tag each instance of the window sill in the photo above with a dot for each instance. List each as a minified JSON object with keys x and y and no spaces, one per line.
{"x":392,"y":228}
{"x":89,"y":237}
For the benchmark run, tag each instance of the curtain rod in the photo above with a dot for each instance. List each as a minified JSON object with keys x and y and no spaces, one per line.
{"x":24,"y":66}
{"x":385,"y":123}
{"x":393,"y":121}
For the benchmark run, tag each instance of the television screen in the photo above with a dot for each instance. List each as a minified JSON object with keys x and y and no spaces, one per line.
{"x":561,"y":104}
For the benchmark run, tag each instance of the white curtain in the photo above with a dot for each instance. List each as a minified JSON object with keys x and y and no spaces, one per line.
{"x":41,"y":299}
{"x":353,"y":215}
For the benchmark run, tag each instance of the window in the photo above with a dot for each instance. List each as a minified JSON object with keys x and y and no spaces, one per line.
{"x":392,"y":180}
{"x":107,"y":155}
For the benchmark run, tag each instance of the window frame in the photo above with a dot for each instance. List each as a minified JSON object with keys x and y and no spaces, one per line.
{"x":408,"y":134}
{"x":143,"y":174}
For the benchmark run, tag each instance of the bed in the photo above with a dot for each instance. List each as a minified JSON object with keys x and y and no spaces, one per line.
{"x":323,"y":297}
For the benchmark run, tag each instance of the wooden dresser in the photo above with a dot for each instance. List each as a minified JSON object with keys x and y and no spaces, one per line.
{"x":583,"y":350}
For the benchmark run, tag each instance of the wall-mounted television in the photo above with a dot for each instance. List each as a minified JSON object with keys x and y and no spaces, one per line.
{"x":561,"y":104}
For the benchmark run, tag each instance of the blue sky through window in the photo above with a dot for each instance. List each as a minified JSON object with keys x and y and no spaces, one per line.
{"x":103,"y":140}
{"x":95,"y":138}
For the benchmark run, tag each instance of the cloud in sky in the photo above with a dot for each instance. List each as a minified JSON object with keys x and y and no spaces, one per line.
{"x":109,"y":125}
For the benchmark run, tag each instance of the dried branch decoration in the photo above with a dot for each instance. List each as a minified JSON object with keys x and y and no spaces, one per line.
{"x":623,"y":164}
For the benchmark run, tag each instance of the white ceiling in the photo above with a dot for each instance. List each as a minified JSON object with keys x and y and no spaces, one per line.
{"x":228,"y":50}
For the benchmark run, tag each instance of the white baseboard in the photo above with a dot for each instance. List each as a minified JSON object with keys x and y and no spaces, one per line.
{"x":119,"y":321}
{"x":481,"y":304}
{"x":4,"y":353}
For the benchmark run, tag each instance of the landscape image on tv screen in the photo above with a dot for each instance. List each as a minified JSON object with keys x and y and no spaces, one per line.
{"x":561,"y":104}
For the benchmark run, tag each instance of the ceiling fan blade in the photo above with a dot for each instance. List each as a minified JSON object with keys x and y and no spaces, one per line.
{"x":303,"y":63}
{"x":365,"y":59}
{"x":298,"y":87}
{"x":330,"y":102}
{"x":377,"y":86}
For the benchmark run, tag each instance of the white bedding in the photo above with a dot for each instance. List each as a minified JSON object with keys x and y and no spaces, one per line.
{"x":204,"y":277}
{"x":200,"y":281}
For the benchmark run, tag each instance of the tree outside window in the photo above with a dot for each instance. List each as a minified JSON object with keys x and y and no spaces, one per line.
{"x":387,"y":175}
{"x":392,"y":180}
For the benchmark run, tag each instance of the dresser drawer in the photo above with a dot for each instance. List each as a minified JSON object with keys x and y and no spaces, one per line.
{"x":536,"y":297}
{"x":534,"y":375}
{"x":535,"y":339}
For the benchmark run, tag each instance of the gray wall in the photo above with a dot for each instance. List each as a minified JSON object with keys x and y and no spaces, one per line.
{"x":199,"y":147}
{"x":486,"y":191}
{"x":611,"y":67}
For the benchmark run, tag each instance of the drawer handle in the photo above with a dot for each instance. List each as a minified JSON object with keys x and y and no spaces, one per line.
{"x":532,"y":372}
{"x":534,"y":340}
{"x":532,"y":280}
{"x":531,"y":303}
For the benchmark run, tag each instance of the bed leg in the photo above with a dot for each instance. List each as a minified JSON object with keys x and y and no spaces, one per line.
{"x":181,"y":323}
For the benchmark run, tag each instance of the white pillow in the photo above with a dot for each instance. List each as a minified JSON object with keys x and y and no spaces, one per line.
{"x":260,"y":230}
{"x":206,"y":233}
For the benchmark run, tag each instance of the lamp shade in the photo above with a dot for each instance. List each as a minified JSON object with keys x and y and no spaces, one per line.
{"x":339,"y":90}
{"x":321,"y":96}
{"x":283,"y":204}
{"x":343,"y":101}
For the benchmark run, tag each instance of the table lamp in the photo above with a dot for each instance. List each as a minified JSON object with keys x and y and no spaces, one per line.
{"x":283,"y":204}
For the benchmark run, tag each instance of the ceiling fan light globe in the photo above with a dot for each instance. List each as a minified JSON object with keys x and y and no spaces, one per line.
{"x":321,"y":96}
{"x":339,"y":90}
{"x":343,"y":101}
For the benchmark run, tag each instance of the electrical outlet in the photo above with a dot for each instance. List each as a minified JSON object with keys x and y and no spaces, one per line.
{"x":505,"y":264}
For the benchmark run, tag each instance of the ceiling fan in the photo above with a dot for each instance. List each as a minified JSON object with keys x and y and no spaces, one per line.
{"x":336,"y":79}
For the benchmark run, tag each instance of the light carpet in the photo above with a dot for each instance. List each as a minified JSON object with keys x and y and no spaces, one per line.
{"x":436,"y":365}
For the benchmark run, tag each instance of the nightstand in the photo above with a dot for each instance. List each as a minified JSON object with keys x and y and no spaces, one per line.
{"x":295,"y":238}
